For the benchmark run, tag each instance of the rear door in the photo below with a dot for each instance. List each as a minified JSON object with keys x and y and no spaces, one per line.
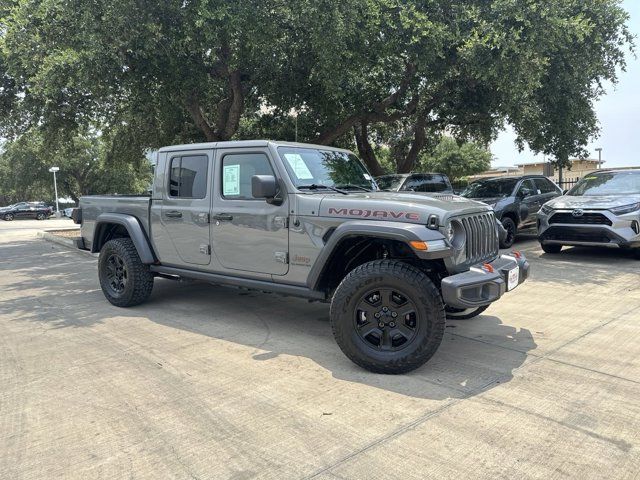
{"x":185,"y":208}
{"x":248,"y":234}
{"x":546,"y":189}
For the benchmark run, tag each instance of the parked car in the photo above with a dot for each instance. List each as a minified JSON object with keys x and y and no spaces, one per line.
{"x":515,"y":200}
{"x":602,"y":209}
{"x":20,"y":210}
{"x":67,"y":212}
{"x":415,"y":182}
{"x":305,"y":221}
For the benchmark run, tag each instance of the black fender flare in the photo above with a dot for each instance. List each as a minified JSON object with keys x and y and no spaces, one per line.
{"x":403,"y":232}
{"x":133,"y":227}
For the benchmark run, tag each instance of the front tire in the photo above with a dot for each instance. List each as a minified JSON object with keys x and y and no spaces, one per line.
{"x":387,"y":317}
{"x":40,"y":216}
{"x":124,"y":279}
{"x":464,"y":314}
{"x":551,"y":248}
{"x":8,"y":217}
{"x":512,"y":230}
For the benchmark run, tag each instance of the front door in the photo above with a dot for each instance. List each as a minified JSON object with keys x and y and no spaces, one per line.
{"x":248,"y":234}
{"x":185,"y":207}
{"x":529,"y":203}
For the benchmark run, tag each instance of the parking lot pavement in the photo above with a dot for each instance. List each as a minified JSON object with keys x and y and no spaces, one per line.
{"x":211,"y":382}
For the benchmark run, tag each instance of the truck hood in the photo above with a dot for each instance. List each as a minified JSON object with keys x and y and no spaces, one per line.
{"x":597,"y":202}
{"x":397,"y":206}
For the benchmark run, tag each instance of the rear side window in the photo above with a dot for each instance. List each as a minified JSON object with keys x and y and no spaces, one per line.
{"x":237,"y":170}
{"x":544,"y":185}
{"x":188,"y":176}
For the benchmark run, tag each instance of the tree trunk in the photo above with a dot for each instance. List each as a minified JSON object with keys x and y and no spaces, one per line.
{"x":366,"y":151}
{"x":419,"y":140}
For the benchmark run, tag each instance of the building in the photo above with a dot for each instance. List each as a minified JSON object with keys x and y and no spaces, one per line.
{"x":579,"y":168}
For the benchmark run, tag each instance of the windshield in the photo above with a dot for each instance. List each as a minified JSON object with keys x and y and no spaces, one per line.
{"x":311,"y":166}
{"x":608,"y":183}
{"x":496,"y":187}
{"x":390,"y":182}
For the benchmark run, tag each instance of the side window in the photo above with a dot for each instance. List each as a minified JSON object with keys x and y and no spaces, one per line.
{"x":544,"y":185}
{"x":237,"y":170}
{"x":188,"y":176}
{"x":527,"y":189}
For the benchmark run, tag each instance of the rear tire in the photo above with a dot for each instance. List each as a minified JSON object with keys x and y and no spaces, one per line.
{"x":8,"y":217}
{"x":551,"y":248}
{"x":124,"y":279}
{"x":512,"y":230}
{"x":460,"y":314}
{"x":41,"y":216}
{"x":387,"y":317}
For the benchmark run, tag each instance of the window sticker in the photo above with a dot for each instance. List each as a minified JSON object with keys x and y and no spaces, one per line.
{"x":367,"y":176}
{"x":298,"y":166}
{"x":231,"y":180}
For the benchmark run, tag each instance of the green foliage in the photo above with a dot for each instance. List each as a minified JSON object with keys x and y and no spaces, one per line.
{"x":386,"y":77}
{"x":456,"y":161}
{"x":86,"y":167}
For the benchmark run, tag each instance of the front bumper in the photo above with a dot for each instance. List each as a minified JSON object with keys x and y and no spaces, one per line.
{"x":481,"y":286}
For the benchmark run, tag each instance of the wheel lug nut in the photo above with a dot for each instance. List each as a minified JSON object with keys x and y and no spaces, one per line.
{"x":385,"y":309}
{"x":381,"y":324}
{"x":377,"y":315}
{"x":394,"y":314}
{"x":392,"y":324}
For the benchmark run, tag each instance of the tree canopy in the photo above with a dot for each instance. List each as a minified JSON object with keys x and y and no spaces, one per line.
{"x":357,"y":73}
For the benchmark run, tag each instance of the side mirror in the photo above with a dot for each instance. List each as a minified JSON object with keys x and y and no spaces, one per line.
{"x":264,"y":186}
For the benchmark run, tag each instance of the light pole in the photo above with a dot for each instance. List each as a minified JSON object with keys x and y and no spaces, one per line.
{"x":55,"y":188}
{"x":599,"y":150}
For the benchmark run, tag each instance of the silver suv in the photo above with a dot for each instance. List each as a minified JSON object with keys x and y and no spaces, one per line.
{"x":603,"y":209}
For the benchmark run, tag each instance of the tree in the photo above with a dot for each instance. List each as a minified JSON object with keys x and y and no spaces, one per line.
{"x":157,"y":73}
{"x":86,"y":166}
{"x":456,"y":161}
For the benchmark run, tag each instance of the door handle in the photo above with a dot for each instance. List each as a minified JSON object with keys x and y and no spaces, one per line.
{"x":173,"y":214}
{"x":224,"y":217}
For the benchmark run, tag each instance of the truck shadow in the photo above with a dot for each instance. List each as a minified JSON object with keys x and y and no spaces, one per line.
{"x":61,"y":290}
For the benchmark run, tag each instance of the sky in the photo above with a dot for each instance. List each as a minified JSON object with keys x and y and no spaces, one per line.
{"x":618,"y":112}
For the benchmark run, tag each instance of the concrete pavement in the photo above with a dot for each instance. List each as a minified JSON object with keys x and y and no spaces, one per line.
{"x":215,"y":383}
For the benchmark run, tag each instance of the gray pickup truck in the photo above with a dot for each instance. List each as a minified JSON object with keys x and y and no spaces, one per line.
{"x":306,"y":221}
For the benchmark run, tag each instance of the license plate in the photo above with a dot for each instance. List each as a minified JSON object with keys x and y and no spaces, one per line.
{"x":513,"y":278}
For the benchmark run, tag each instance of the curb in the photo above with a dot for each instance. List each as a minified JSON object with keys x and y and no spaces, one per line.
{"x":71,"y":243}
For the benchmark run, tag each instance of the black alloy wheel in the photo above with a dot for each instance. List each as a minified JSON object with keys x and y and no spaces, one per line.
{"x":117,"y":275}
{"x":386,"y":319}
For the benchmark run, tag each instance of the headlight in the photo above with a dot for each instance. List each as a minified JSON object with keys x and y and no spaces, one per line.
{"x":546,"y":210}
{"x":455,"y":234}
{"x":625,"y":209}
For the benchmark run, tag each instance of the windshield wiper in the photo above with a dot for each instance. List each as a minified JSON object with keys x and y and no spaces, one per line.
{"x":357,"y":187}
{"x":315,"y":186}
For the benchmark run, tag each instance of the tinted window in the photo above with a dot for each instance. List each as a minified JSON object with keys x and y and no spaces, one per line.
{"x":427,"y":183}
{"x":528,"y":187}
{"x":390,"y":182}
{"x":237,"y":170}
{"x":544,"y":185}
{"x":188,"y":176}
{"x":495,"y":187}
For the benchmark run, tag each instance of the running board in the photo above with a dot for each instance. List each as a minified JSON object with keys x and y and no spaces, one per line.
{"x":261,"y":285}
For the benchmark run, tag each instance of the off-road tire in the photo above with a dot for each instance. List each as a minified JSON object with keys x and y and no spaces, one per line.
{"x":512,"y":230}
{"x":420,"y":291}
{"x":465,"y":314}
{"x":41,"y":216}
{"x":139,"y":281}
{"x":551,"y":248}
{"x":8,"y":217}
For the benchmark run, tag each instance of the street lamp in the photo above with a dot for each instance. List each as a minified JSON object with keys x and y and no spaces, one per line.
{"x":599,"y":150}
{"x":55,"y":187}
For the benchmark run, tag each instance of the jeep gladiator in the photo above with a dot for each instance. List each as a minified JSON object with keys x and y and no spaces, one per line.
{"x":306,"y":221}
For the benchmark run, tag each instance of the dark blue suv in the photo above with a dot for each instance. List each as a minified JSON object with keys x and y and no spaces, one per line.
{"x":515,"y":200}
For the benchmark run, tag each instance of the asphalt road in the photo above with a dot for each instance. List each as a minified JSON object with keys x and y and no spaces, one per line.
{"x":208,"y":382}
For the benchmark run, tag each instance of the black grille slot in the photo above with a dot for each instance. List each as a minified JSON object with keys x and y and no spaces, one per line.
{"x":482,"y":237}
{"x":572,"y":235}
{"x":567,"y":218}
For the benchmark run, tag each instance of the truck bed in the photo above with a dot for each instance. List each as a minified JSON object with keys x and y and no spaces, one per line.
{"x":93,"y":205}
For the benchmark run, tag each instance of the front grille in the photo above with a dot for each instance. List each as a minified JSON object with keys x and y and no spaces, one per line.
{"x":482,"y":237}
{"x":585,"y":219}
{"x":572,"y":235}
